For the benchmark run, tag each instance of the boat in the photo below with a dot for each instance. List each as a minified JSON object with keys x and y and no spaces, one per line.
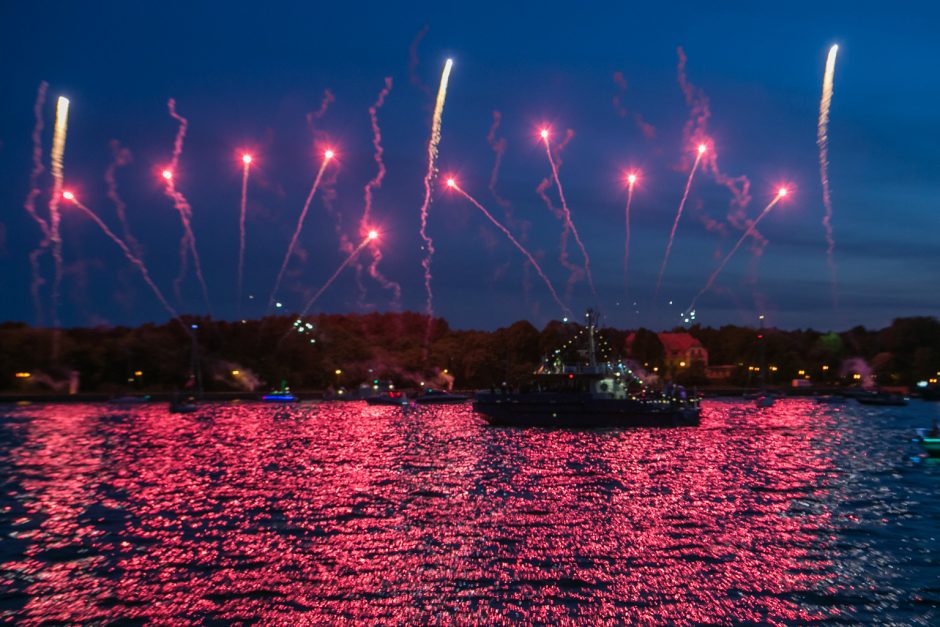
{"x":440,"y":397}
{"x":389,"y":397}
{"x":764,"y":401}
{"x":587,"y":394}
{"x":280,"y":395}
{"x":829,"y":399}
{"x":882,"y":399}
{"x":130,"y":400}
{"x":929,"y":440}
{"x":183,"y":404}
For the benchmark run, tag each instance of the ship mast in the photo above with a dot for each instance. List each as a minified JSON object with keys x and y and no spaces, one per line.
{"x":591,"y":324}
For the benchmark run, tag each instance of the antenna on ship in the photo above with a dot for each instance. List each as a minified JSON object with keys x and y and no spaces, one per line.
{"x":591,"y":316}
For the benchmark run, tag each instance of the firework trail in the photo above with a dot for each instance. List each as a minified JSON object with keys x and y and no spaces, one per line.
{"x":133,"y":258}
{"x":631,"y":179}
{"x":327,"y":157}
{"x":352,"y":255}
{"x":367,"y":193}
{"x":246,"y":165}
{"x":434,"y":140}
{"x":822,"y":141}
{"x":314,"y":116}
{"x":675,"y":225}
{"x":567,"y":213}
{"x":454,"y":186}
{"x":121,"y":157}
{"x":183,"y":207}
{"x":55,"y":219}
{"x":30,"y":204}
{"x":781,"y":193}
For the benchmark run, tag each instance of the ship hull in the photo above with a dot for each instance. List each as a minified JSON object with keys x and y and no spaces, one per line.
{"x":584,"y":413}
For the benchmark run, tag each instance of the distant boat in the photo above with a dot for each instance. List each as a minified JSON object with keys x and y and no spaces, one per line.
{"x":882,"y":399}
{"x":765,"y":400}
{"x":929,"y":441}
{"x":830,"y":399}
{"x":130,"y":400}
{"x":440,"y":397}
{"x":183,"y":404}
{"x":390,"y":397}
{"x":280,"y":395}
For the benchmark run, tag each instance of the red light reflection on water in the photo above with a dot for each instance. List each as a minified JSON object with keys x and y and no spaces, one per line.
{"x":343,"y":511}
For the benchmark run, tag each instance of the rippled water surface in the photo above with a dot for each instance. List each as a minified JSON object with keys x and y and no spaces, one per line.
{"x":322,"y":512}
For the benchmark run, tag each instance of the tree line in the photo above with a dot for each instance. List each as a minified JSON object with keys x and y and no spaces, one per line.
{"x":349,"y":349}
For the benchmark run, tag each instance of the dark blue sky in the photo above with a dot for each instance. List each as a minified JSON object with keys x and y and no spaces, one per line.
{"x":247,"y":75}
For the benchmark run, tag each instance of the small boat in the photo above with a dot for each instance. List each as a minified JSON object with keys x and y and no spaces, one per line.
{"x":765,"y":400}
{"x":390,"y":397}
{"x":183,"y":404}
{"x":830,"y":399}
{"x":884,"y":399}
{"x":930,"y":441}
{"x":130,"y":400}
{"x":440,"y":397}
{"x":280,"y":395}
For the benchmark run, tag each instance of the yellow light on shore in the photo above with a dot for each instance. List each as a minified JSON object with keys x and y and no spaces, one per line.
{"x":235,"y":373}
{"x":23,"y":375}
{"x":138,"y":373}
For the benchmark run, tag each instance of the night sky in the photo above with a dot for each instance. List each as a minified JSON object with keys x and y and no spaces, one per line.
{"x":247,"y":76}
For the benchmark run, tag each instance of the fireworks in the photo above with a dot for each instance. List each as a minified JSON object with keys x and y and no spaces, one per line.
{"x":246,"y":165}
{"x":631,"y":182}
{"x":672,"y":235}
{"x":55,"y":219}
{"x":569,"y":224}
{"x":368,"y":191}
{"x":188,"y":241}
{"x":327,"y":157}
{"x":452,"y":184}
{"x":781,"y":194}
{"x":822,"y":140}
{"x":433,"y":142}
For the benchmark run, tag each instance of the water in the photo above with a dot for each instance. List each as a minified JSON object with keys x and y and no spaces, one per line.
{"x":245,"y":512}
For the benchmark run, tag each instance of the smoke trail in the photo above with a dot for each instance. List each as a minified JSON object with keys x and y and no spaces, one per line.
{"x":300,"y":224}
{"x":822,"y":140}
{"x":433,"y":141}
{"x":246,"y":163}
{"x":498,"y":145}
{"x":185,"y":210}
{"x":499,"y":149}
{"x":134,"y":259}
{"x":648,"y":130}
{"x":675,"y":225}
{"x":315,"y":116}
{"x":453,"y":185}
{"x":567,"y":214}
{"x":740,"y":241}
{"x":121,"y":157}
{"x":413,"y":62}
{"x":575,"y":272}
{"x":55,"y":219}
{"x":696,"y":132}
{"x":30,"y":204}
{"x":375,"y":183}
